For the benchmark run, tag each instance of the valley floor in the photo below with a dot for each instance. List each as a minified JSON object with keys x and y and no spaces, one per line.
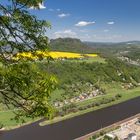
{"x":112,"y":90}
{"x":75,"y":127}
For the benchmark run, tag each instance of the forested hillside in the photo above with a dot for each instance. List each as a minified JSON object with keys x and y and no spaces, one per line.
{"x":70,"y":45}
{"x":73,"y":76}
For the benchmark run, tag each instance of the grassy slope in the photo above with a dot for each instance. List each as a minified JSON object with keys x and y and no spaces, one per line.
{"x":90,"y":60}
{"x":57,"y":94}
{"x":126,"y":95}
{"x":6,"y":118}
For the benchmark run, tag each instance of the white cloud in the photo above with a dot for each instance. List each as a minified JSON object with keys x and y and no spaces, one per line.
{"x":65,"y":33}
{"x":40,"y":5}
{"x":63,"y":15}
{"x":84,"y":23}
{"x":110,"y":22}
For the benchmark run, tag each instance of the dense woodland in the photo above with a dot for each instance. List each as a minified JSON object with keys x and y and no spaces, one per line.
{"x":75,"y":76}
{"x":72,"y":72}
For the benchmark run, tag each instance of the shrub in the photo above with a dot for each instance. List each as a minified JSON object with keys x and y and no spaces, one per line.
{"x":118,"y":96}
{"x":1,"y":125}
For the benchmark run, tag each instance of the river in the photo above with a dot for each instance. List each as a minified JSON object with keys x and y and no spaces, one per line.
{"x":75,"y":127}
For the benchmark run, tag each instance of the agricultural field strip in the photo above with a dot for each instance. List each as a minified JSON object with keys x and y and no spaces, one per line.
{"x":55,"y":55}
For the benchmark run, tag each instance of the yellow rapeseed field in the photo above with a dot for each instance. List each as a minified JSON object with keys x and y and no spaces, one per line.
{"x":53,"y":54}
{"x":92,"y":55}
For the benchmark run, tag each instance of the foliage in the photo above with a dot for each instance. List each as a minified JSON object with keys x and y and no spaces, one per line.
{"x":19,"y":30}
{"x":1,"y":125}
{"x":22,"y":84}
{"x":27,"y":87}
{"x":98,"y":103}
{"x":70,"y":73}
{"x":103,"y":132}
{"x":75,"y":78}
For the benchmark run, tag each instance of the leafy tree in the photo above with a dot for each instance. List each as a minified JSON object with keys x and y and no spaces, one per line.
{"x":23,"y":84}
{"x":19,"y":30}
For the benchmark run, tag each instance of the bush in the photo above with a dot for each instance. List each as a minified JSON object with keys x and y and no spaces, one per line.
{"x":1,"y":125}
{"x":118,"y":96}
{"x":80,"y":108}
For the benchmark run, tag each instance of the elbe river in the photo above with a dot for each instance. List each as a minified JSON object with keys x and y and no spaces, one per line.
{"x":75,"y":127}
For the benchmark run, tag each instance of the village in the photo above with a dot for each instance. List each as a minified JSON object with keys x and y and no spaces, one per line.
{"x":128,"y":60}
{"x":80,"y":98}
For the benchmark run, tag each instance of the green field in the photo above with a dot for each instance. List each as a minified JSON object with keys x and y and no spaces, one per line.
{"x":57,"y":95}
{"x":6,"y":119}
{"x":90,"y":60}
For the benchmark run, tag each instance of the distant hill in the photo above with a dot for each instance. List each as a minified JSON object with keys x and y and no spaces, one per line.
{"x":113,"y":49}
{"x":103,"y":48}
{"x":98,"y":44}
{"x":70,"y":45}
{"x":111,"y":44}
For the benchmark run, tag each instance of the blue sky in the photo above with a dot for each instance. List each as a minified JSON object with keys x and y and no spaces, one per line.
{"x":92,"y":20}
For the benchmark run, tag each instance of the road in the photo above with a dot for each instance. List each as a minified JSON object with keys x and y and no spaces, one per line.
{"x":75,"y":127}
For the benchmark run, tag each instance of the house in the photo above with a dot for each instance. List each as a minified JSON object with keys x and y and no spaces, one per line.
{"x":132,"y":136}
{"x":111,"y":136}
{"x":90,"y":95}
{"x":56,"y":104}
{"x":72,"y":100}
{"x":81,"y":97}
{"x":66,"y":102}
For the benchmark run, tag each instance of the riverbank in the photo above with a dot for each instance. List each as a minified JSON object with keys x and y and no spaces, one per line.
{"x":108,"y":128}
{"x":78,"y":126}
{"x":125,"y":95}
{"x":5,"y":116}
